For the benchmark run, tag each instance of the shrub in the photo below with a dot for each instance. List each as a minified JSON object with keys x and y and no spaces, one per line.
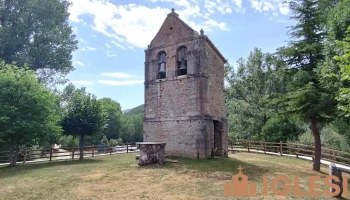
{"x":114,"y":142}
{"x":68,"y":141}
{"x":329,"y":139}
{"x":279,"y":128}
{"x":105,"y":141}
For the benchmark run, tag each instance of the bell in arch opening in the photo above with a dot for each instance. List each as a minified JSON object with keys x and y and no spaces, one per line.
{"x":162,"y":66}
{"x":182,"y":61}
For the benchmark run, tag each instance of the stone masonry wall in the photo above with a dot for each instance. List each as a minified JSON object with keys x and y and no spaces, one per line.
{"x":216,"y":98}
{"x":180,"y":110}
{"x":173,"y":99}
{"x":180,"y":136}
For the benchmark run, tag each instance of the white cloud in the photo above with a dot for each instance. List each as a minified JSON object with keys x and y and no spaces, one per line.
{"x":117,"y":75}
{"x":223,"y":6}
{"x":109,"y":54}
{"x":270,"y":6}
{"x":136,"y":25}
{"x":118,"y":45}
{"x":132,"y":48}
{"x":81,"y":82}
{"x":108,"y":46}
{"x":183,"y":3}
{"x":79,"y":63}
{"x":82,"y":41}
{"x":214,"y":23}
{"x":88,"y":48}
{"x":115,"y":83}
{"x":284,"y":8}
{"x":75,"y":30}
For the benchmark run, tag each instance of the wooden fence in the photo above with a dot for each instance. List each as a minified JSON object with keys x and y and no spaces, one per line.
{"x":331,"y":155}
{"x":66,"y":153}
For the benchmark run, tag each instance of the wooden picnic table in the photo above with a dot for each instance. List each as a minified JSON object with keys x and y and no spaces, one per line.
{"x":151,"y":153}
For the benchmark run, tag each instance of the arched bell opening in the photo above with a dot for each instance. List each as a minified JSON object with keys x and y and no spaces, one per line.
{"x":182,"y":61}
{"x":161,"y":65}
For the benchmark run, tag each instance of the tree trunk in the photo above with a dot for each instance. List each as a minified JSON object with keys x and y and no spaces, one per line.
{"x":81,"y":147}
{"x":17,"y":152}
{"x":12,"y":156}
{"x":14,"y":150}
{"x":317,"y":138}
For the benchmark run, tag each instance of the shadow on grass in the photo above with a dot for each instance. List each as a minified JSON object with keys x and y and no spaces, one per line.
{"x":7,"y":171}
{"x":226,"y":165}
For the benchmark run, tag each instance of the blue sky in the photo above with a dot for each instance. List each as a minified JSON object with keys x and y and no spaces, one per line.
{"x":114,"y":34}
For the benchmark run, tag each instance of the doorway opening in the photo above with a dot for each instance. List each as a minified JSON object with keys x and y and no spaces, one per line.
{"x":217,"y":137}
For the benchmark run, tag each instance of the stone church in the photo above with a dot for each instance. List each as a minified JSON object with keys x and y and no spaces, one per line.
{"x":184,"y":92}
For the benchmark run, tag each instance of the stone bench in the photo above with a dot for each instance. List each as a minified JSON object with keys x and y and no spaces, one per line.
{"x":151,"y":153}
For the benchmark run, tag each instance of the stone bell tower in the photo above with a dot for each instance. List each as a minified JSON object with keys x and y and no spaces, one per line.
{"x":184,"y":92}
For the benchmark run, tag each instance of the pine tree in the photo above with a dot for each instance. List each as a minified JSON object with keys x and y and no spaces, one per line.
{"x":306,"y":97}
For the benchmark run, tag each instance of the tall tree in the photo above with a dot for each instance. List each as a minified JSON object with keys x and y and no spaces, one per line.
{"x":115,"y":114}
{"x":336,"y":23}
{"x":249,"y":88}
{"x":84,"y":117}
{"x":28,"y":114}
{"x":132,"y":128}
{"x":37,"y":33}
{"x":307,"y":98}
{"x":344,"y":64}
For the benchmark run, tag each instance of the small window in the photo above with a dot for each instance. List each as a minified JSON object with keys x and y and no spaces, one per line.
{"x":162,"y":65}
{"x":182,"y":61}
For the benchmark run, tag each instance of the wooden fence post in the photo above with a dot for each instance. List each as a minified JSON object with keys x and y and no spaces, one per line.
{"x":51,"y":154}
{"x":73,"y":153}
{"x":93,"y":150}
{"x":264,"y":147}
{"x":231,"y":144}
{"x":110,"y":150}
{"x":296,"y":153}
{"x":248,"y":146}
{"x":127,"y":148}
{"x":332,"y":155}
{"x":281,"y":152}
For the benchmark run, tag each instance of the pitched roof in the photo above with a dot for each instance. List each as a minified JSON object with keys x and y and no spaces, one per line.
{"x":174,"y":14}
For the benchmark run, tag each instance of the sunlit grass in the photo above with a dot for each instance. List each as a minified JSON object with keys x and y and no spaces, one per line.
{"x":118,"y":177}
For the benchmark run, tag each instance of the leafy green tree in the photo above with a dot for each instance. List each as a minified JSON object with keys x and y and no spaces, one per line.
{"x":132,"y":128}
{"x":28,"y":111}
{"x":115,"y":115}
{"x":84,"y":117}
{"x":307,"y":98}
{"x":249,"y":89}
{"x":336,"y":24}
{"x":281,"y":128}
{"x":344,"y":64}
{"x":37,"y":33}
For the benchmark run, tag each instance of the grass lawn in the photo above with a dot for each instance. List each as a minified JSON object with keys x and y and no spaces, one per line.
{"x":118,"y":177}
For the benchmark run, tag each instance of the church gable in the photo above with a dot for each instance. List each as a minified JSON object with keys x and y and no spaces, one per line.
{"x":173,"y":31}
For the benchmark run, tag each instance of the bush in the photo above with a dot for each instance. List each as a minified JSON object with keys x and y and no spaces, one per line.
{"x":279,"y":128}
{"x":114,"y":142}
{"x":68,"y":141}
{"x":105,"y":141}
{"x":329,"y":139}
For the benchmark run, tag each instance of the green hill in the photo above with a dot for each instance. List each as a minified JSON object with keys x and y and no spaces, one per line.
{"x":137,"y":110}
